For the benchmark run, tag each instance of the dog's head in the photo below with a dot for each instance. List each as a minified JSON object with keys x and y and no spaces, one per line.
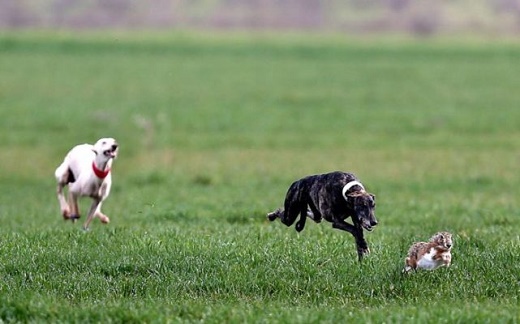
{"x":106,"y":148}
{"x":364,"y":205}
{"x":443,"y":239}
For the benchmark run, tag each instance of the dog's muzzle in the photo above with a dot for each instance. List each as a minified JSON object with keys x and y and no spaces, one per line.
{"x":369,"y":226}
{"x":112,"y":152}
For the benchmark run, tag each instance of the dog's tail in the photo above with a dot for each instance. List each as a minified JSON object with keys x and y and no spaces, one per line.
{"x":350,"y":185}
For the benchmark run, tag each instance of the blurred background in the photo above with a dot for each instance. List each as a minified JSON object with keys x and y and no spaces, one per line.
{"x":423,"y":17}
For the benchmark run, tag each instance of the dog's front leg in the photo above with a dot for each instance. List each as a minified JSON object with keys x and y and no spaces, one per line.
{"x":344,"y":226}
{"x":104,"y":218}
{"x":73,"y":204}
{"x":361,"y":244}
{"x":91,"y":213}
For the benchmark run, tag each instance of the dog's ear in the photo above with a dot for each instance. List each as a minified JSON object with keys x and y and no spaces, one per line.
{"x":353,"y":198}
{"x":95,"y":152}
{"x":355,"y":194}
{"x":373,"y":197}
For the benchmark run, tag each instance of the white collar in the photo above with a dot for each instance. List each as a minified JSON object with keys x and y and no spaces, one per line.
{"x":350,"y":185}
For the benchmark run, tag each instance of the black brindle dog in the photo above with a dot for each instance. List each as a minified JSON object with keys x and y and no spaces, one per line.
{"x":334,"y":197}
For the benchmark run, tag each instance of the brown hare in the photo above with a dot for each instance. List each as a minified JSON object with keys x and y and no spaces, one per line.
{"x":430,"y":255}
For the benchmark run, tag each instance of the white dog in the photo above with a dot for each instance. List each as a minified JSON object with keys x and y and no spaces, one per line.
{"x":86,"y":170}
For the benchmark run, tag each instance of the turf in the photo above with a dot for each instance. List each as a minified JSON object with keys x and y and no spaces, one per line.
{"x":213,"y":129}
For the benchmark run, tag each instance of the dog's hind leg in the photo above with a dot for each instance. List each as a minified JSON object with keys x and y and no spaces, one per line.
{"x":300,"y":225}
{"x":62,"y":174}
{"x":64,"y":207}
{"x":291,"y":205}
{"x":290,"y":214}
{"x":314,"y":214}
{"x":275,"y":214}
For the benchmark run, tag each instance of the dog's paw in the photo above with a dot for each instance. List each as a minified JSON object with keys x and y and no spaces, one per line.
{"x":273,"y":215}
{"x":363,"y":252}
{"x":104,"y":219}
{"x":299,"y":226}
{"x":65,"y":213}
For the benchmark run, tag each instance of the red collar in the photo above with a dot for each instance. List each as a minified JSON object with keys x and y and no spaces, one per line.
{"x":100,"y":173}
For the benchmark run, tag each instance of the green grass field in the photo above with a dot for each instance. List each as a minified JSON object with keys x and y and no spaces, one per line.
{"x":213,"y":129}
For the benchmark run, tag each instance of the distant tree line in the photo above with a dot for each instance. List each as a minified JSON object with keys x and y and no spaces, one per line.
{"x":421,"y":17}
